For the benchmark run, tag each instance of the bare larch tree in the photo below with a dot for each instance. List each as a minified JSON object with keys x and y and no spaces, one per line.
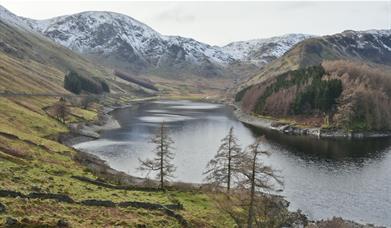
{"x":256,"y":175}
{"x":162,"y":163}
{"x":61,"y":110}
{"x":223,"y":167}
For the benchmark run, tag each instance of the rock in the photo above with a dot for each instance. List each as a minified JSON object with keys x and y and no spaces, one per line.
{"x":25,"y":220}
{"x":177,"y":206}
{"x":58,"y":197}
{"x":104,"y":203}
{"x":89,"y":133}
{"x":10,"y":222}
{"x":62,"y":223}
{"x":2,"y":208}
{"x":145,"y":205}
{"x":36,"y":189}
{"x":7,"y":193}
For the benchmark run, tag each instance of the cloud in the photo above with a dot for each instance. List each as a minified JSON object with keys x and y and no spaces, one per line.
{"x":175,"y":14}
{"x":299,"y":5}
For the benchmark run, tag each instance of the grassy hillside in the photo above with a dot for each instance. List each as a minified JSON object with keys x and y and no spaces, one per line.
{"x":28,"y":46}
{"x":31,"y":63}
{"x":32,"y":159}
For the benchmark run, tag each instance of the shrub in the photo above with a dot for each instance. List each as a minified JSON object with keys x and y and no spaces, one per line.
{"x":72,"y":83}
{"x":76,"y":84}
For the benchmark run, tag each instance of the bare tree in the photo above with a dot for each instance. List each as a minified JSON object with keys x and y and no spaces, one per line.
{"x":162,"y":163}
{"x":222,"y":168}
{"x":256,"y":175}
{"x":61,"y":110}
{"x":86,"y":101}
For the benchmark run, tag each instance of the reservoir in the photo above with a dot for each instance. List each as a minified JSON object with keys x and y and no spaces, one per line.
{"x":323,"y":177}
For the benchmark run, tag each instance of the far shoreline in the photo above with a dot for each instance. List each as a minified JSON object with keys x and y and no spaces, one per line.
{"x":315,"y":132}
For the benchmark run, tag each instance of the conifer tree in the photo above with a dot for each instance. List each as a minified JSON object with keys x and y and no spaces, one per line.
{"x":256,"y":176}
{"x":162,"y":162}
{"x":223,"y":167}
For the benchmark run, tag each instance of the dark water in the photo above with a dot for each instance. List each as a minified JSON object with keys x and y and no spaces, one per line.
{"x":324,"y":178}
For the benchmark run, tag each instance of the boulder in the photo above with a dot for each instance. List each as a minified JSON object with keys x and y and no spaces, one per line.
{"x":62,"y":223}
{"x":7,"y":193}
{"x":2,"y":208}
{"x":11,"y":222}
{"x":93,"y":202}
{"x":58,"y":197}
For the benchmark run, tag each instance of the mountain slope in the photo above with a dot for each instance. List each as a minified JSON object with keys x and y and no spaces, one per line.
{"x":337,"y":76}
{"x":263,"y":51}
{"x":119,"y":41}
{"x":372,"y":46}
{"x":37,"y":54}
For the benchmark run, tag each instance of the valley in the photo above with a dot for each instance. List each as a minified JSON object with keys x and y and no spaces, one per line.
{"x":82,"y":94}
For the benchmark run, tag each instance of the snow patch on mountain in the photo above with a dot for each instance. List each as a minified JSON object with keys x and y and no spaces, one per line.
{"x":259,"y":51}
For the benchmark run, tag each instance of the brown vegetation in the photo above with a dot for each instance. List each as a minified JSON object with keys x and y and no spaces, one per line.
{"x":280,"y":103}
{"x":251,"y":96}
{"x":365,"y":101}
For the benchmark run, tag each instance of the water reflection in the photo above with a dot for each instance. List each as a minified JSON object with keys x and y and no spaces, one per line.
{"x":310,"y":148}
{"x":323,"y":177}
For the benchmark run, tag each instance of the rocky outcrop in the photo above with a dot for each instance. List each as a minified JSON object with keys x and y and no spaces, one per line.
{"x":101,"y":203}
{"x":107,"y":185}
{"x":57,"y":197}
{"x":339,"y":222}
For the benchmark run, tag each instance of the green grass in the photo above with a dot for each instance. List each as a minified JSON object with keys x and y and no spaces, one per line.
{"x":43,"y":164}
{"x":49,"y":166}
{"x":47,"y":212}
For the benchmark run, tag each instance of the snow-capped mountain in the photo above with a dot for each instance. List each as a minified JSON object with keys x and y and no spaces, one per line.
{"x":119,"y":41}
{"x":262,"y":51}
{"x":15,"y":20}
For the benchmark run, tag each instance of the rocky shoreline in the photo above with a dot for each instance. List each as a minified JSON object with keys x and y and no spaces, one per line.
{"x":290,"y":129}
{"x":90,"y":131}
{"x":87,"y":131}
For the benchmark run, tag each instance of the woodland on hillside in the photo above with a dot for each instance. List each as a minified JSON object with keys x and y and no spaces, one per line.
{"x":355,"y":95}
{"x":365,"y":102}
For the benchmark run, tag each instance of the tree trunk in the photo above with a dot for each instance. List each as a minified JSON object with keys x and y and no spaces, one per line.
{"x":252,"y":193}
{"x":161,"y":157}
{"x":229,"y":161}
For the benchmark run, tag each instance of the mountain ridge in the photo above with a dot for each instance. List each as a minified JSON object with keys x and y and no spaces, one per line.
{"x":120,"y":41}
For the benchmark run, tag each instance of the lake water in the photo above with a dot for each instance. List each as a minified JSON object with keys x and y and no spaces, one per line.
{"x":323,"y":177}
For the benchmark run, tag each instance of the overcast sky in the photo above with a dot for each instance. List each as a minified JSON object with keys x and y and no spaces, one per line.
{"x":219,"y":23}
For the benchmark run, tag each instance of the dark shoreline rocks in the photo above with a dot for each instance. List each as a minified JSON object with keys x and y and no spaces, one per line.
{"x":317,"y":132}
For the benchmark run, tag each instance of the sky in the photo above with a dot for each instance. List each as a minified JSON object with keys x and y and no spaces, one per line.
{"x":219,"y":23}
